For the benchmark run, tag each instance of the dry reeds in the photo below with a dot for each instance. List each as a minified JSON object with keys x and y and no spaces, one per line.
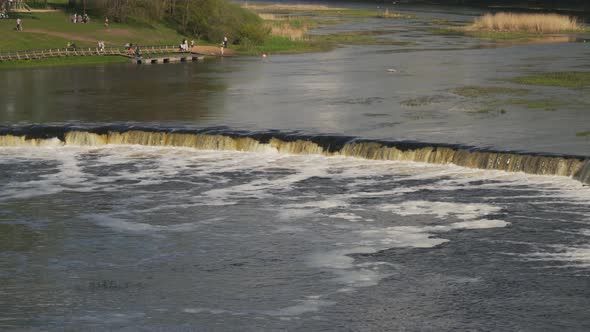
{"x":288,"y":31}
{"x":388,"y":14}
{"x":511,"y":22}
{"x":285,"y":26}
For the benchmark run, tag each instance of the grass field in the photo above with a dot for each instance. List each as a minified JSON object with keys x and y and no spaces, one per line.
{"x":289,"y":26}
{"x":54,"y":30}
{"x":57,"y":62}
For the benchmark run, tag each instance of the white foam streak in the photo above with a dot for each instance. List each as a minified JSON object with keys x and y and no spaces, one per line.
{"x":122,"y":225}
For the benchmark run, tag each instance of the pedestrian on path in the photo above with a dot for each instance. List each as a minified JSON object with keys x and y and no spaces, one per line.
{"x":19,"y":24}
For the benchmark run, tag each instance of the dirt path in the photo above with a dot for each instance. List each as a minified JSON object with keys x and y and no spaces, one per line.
{"x":81,"y":38}
{"x":34,"y":10}
{"x":212,"y":50}
{"x":66,"y":35}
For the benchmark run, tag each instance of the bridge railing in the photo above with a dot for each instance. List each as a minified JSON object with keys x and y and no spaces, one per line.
{"x":85,"y":51}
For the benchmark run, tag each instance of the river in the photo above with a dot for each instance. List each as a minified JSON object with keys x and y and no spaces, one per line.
{"x":347,"y":190}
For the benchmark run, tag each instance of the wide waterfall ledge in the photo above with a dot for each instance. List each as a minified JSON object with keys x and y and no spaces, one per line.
{"x":577,"y":167}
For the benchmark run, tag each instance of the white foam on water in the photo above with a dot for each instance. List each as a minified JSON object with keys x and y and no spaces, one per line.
{"x":320,"y":204}
{"x":122,"y":225}
{"x":310,"y":304}
{"x":466,"y":211}
{"x":479,"y":224}
{"x":371,"y":239}
{"x":572,"y":256}
{"x":344,"y":229}
{"x":259,"y":188}
{"x":291,"y":214}
{"x":209,"y":311}
{"x":288,"y":229}
{"x":112,"y":318}
{"x":346,"y":215}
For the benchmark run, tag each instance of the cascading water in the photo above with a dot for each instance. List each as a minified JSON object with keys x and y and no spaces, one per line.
{"x":572,"y":166}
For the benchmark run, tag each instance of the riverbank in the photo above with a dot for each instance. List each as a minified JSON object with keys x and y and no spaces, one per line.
{"x":61,"y":62}
{"x":288,"y":30}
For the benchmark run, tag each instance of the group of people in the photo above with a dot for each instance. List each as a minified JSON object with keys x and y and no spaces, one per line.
{"x":71,"y":46}
{"x":133,"y":50}
{"x":80,"y":18}
{"x":184,"y":45}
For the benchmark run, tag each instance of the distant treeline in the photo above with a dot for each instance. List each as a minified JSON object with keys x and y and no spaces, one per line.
{"x":549,"y":5}
{"x":207,"y":19}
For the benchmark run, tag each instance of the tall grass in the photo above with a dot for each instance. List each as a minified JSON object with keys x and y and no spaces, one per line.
{"x":538,"y":23}
{"x":288,"y":31}
{"x":293,"y":28}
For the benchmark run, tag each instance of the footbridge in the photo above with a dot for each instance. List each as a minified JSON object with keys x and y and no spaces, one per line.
{"x":146,"y":51}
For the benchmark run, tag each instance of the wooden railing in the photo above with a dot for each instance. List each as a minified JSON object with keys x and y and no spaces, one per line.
{"x":85,"y":51}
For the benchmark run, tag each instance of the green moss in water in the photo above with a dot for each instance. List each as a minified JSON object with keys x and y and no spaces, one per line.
{"x":481,"y":91}
{"x":488,"y":111}
{"x":540,"y":104}
{"x":560,"y":79}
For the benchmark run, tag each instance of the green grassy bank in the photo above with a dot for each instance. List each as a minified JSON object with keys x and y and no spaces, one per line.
{"x":271,"y":35}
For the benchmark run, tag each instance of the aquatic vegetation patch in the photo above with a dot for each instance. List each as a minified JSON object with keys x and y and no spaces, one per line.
{"x":541,"y":104}
{"x":480,"y":91}
{"x":525,"y":22}
{"x":585,"y":134}
{"x":516,"y":26}
{"x":424,"y":100}
{"x":280,"y":45}
{"x":491,"y":111}
{"x":313,"y":43}
{"x":358,"y":101}
{"x":491,"y":35}
{"x":560,"y":79}
{"x":357,"y":38}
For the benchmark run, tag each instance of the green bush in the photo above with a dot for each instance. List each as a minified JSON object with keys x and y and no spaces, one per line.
{"x":214,"y":19}
{"x":206,"y":19}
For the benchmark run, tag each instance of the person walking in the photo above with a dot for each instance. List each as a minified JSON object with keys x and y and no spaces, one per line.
{"x":137,"y":52}
{"x":224,"y":41}
{"x":19,"y":24}
{"x":106,"y":22}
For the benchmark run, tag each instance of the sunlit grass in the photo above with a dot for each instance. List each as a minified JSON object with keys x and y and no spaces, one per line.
{"x":56,"y":62}
{"x":54,"y":30}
